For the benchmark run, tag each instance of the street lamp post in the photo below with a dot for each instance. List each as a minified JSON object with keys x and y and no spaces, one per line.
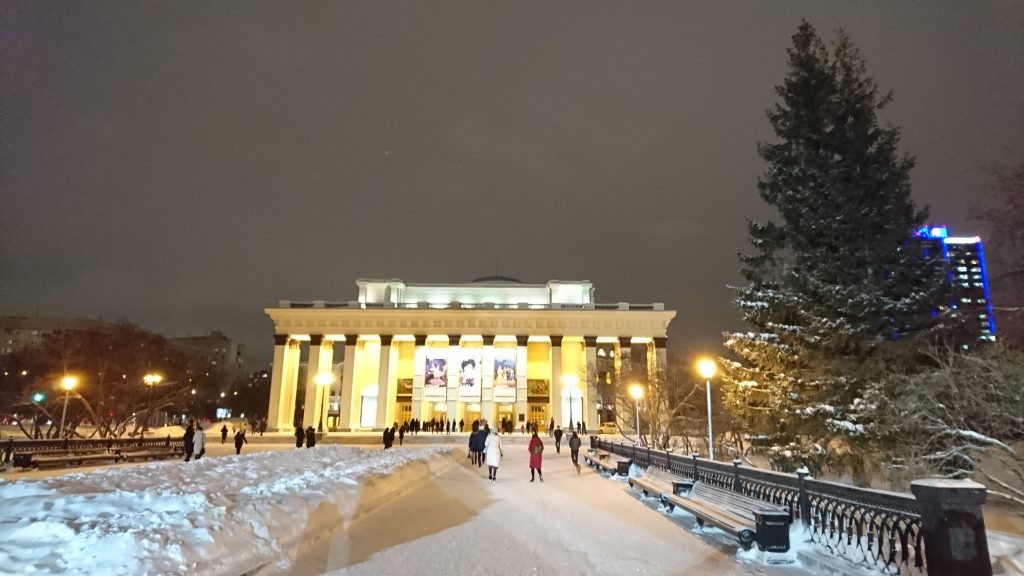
{"x":637,"y":392}
{"x":322,"y":380}
{"x":706,"y":367}
{"x":68,"y":382}
{"x":150,"y":380}
{"x":570,"y":383}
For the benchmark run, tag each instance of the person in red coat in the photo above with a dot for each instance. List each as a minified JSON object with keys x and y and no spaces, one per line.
{"x":536,"y":451}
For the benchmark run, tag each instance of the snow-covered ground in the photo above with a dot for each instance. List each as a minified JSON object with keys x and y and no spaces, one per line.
{"x":349,"y":511}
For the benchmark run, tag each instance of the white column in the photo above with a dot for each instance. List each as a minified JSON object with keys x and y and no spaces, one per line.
{"x":383,"y":378}
{"x":321,"y":355}
{"x":289,"y":383}
{"x":590,"y":417}
{"x":452,"y":394}
{"x":555,"y":389}
{"x":521,"y":405}
{"x":345,"y":418}
{"x":277,"y":371}
{"x":487,"y":383}
{"x":419,"y":367}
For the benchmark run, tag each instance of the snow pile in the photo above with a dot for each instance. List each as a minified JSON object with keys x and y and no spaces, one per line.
{"x":211,"y":516}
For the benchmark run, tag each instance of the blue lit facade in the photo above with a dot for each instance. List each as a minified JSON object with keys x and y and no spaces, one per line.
{"x":967,"y":278}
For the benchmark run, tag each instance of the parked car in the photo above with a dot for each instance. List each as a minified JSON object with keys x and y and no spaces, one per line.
{"x":608,"y":428}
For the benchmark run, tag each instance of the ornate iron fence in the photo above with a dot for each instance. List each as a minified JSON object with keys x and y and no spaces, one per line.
{"x":872,"y":528}
{"x":85,"y":444}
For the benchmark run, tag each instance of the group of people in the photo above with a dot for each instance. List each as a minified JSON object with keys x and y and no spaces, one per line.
{"x":435,"y":425}
{"x":194,"y":440}
{"x":485,"y":447}
{"x":308,"y":436}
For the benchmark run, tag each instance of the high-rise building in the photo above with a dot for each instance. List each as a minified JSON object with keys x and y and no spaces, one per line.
{"x":969,"y":293}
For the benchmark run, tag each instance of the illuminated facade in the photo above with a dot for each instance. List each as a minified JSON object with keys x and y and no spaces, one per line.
{"x":492,"y":349}
{"x":967,"y":277}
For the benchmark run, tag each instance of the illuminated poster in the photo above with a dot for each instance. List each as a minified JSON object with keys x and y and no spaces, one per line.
{"x":435,"y":379}
{"x":470,"y":374}
{"x":505,"y":375}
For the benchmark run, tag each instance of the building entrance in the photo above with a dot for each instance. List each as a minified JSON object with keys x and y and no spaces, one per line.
{"x":507,"y":413}
{"x":538,"y":415}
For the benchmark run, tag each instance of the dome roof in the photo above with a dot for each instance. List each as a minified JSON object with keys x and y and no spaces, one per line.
{"x":497,"y":279}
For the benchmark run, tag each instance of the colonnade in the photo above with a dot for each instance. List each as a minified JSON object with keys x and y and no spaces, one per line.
{"x":391,"y":378}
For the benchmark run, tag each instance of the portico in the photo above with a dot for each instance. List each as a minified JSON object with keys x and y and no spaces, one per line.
{"x":492,"y":349}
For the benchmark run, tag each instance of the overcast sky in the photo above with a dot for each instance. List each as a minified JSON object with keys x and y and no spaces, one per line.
{"x":183,"y":165}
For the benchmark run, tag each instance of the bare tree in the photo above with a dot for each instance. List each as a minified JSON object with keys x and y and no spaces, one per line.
{"x":963,"y":418}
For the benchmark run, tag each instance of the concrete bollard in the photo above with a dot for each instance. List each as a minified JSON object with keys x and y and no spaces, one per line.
{"x":954,"y":528}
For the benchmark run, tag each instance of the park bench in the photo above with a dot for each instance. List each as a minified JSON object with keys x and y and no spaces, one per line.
{"x":608,"y":462}
{"x":658,"y":481}
{"x":748,"y":519}
{"x":153,"y":453}
{"x":76,"y":458}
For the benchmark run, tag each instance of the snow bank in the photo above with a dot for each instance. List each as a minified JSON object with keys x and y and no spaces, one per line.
{"x":207,"y":517}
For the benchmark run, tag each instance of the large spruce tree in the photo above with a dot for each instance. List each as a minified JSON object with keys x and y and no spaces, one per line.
{"x":838,"y":276}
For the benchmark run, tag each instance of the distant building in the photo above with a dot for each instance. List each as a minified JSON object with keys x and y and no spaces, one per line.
{"x":21,"y":332}
{"x":967,"y":278}
{"x":492,"y":349}
{"x":221,"y":357}
{"x":214,"y":354}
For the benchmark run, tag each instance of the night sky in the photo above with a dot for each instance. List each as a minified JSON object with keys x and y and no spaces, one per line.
{"x":182,"y":165}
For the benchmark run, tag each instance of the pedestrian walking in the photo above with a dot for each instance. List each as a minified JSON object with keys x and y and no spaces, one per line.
{"x":8,"y":449}
{"x":310,"y":437}
{"x":388,"y":438}
{"x":558,"y":439}
{"x":189,"y":441}
{"x":300,"y":437}
{"x":223,"y":433}
{"x":492,"y":447}
{"x":263,"y":426}
{"x":239,"y":440}
{"x":401,"y":434}
{"x":551,"y":427}
{"x":199,"y":442}
{"x":574,"y":450}
{"x":536,"y":459}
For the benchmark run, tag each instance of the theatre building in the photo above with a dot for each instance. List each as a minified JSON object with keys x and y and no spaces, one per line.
{"x":492,"y":349}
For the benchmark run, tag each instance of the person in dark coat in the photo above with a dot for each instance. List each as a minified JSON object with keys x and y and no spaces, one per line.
{"x":574,"y":450}
{"x":239,"y":440}
{"x":388,"y":438}
{"x":551,"y":427}
{"x":536,"y":449}
{"x":300,"y":437}
{"x":189,"y":441}
{"x":223,"y":433}
{"x":310,"y":437}
{"x":8,"y":449}
{"x":263,"y":426}
{"x":558,"y":439}
{"x":401,"y":434}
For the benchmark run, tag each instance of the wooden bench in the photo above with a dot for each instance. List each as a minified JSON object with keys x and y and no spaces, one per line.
{"x":658,"y":481}
{"x":748,"y":519}
{"x":608,"y":462}
{"x":150,"y":454}
{"x":39,"y":461}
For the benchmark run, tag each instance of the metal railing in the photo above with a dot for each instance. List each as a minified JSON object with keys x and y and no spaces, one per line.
{"x":49,"y":446}
{"x":873,"y":528}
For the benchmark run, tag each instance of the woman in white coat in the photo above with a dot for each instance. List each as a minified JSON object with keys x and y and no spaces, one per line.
{"x":492,"y":447}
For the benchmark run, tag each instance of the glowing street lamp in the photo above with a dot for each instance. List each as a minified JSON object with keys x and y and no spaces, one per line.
{"x":570,"y":382}
{"x":150,"y":380}
{"x":637,"y":392}
{"x":706,"y":367}
{"x":68,"y":383}
{"x":322,"y":380}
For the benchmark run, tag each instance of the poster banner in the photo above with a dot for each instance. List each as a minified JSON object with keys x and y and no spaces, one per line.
{"x":504,"y":375}
{"x":470,"y":374}
{"x":435,"y":377}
